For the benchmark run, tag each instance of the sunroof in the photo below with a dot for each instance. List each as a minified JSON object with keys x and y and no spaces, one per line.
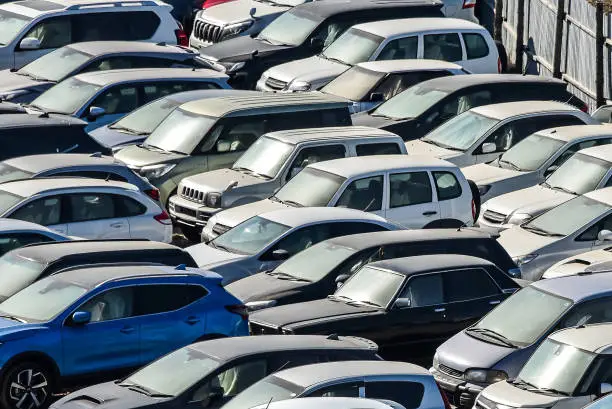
{"x":40,"y":5}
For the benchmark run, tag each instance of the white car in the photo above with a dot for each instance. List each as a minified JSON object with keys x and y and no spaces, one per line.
{"x":87,"y":208}
{"x":581,"y":224}
{"x":30,"y":29}
{"x":595,"y":261}
{"x":534,"y":158}
{"x":411,"y":191}
{"x":481,"y":134}
{"x":586,"y":170}
{"x":17,"y":233}
{"x":332,"y":403}
{"x":462,"y":42}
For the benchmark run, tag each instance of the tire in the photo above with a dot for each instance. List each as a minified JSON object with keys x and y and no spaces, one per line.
{"x":192,"y":233}
{"x":503,"y":56}
{"x":35,"y":386}
{"x":476,"y":197}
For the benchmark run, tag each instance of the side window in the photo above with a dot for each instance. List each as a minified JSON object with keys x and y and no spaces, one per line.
{"x":127,"y":207}
{"x":12,"y":241}
{"x":408,"y":394}
{"x":370,"y":149}
{"x":294,"y":120}
{"x":445,"y":47}
{"x":46,"y":211}
{"x":409,"y":189}
{"x":159,"y":298}
{"x":90,"y":206}
{"x":52,"y":32}
{"x":590,"y":312}
{"x":92,"y":174}
{"x":447,"y":185}
{"x":343,"y":390}
{"x":335,"y":117}
{"x":475,"y":45}
{"x":348,"y":228}
{"x":465,"y":285}
{"x":124,"y":25}
{"x":161,"y":89}
{"x":424,"y":290}
{"x":575,"y":148}
{"x":111,"y":305}
{"x":363,"y":194}
{"x":233,"y":380}
{"x":308,"y":156}
{"x":329,"y":31}
{"x":118,"y":100}
{"x":304,"y":238}
{"x":400,"y":49}
{"x":396,"y":83}
{"x":590,"y":234}
{"x":239,"y":136}
{"x":461,"y":103}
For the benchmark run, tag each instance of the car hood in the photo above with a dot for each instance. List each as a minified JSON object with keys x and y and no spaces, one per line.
{"x":262,"y":286}
{"x":112,"y":137}
{"x":218,"y":180}
{"x":505,"y":393}
{"x":11,"y":81}
{"x":419,"y":147}
{"x":105,"y":396}
{"x":576,"y":264}
{"x":208,"y":257}
{"x":239,"y":49}
{"x":520,"y":242}
{"x":236,"y":215}
{"x":11,"y":330}
{"x":483,"y":173}
{"x":533,"y":200}
{"x":314,"y":70}
{"x":138,"y":156}
{"x":237,"y":11}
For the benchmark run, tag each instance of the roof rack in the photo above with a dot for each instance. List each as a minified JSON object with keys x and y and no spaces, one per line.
{"x":113,"y":4}
{"x":116,"y":264}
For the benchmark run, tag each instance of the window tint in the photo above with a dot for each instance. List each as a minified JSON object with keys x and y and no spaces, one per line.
{"x":591,"y":233}
{"x":409,"y":189}
{"x":45,"y":211}
{"x":363,"y":194}
{"x":396,"y":83}
{"x":475,"y":45}
{"x":52,"y":32}
{"x":400,"y":49}
{"x":369,"y":149}
{"x":347,"y":228}
{"x":408,"y":394}
{"x":344,"y":390}
{"x":233,"y":380}
{"x":124,"y":25}
{"x":129,"y":61}
{"x":90,"y":206}
{"x":155,"y":299}
{"x":12,"y":241}
{"x":278,"y":361}
{"x":308,"y":156}
{"x":127,"y":207}
{"x":238,"y":136}
{"x":446,"y":47}
{"x":92,"y":174}
{"x":424,"y":290}
{"x":161,"y":89}
{"x":335,"y":117}
{"x":304,"y":238}
{"x":447,"y":185}
{"x":591,"y":312}
{"x":460,"y":103}
{"x":464,"y":285}
{"x":110,"y":305}
{"x":117,"y":100}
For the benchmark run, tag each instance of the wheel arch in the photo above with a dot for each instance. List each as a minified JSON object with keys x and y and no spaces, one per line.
{"x":444,"y":224}
{"x":38,"y":357}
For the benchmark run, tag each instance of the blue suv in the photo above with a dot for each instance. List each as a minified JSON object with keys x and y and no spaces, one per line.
{"x":101,"y":320}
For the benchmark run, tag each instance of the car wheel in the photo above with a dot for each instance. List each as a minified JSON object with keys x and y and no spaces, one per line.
{"x":26,"y":386}
{"x":191,"y":233}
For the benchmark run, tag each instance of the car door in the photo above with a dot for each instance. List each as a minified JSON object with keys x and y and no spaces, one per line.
{"x":398,"y":49}
{"x":365,"y":194}
{"x":51,"y":33}
{"x":408,"y":393}
{"x":94,"y":216}
{"x":448,"y":192}
{"x":479,"y":56}
{"x":116,"y":101}
{"x":412,"y":202}
{"x":139,"y":221}
{"x":46,"y":211}
{"x":109,"y":341}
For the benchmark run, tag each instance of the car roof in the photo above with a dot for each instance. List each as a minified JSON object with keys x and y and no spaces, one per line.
{"x":96,"y":48}
{"x":416,"y":64}
{"x":573,"y":132}
{"x":328,"y":402}
{"x":39,"y":163}
{"x":427,"y":263}
{"x":34,"y":8}
{"x":511,"y":109}
{"x":15,"y":224}
{"x":295,"y":136}
{"x":603,"y":195}
{"x":596,"y":338}
{"x":603,"y":152}
{"x":30,"y":187}
{"x":263,"y":103}
{"x":351,"y":166}
{"x":315,"y":373}
{"x":577,"y":287}
{"x":330,"y":8}
{"x":226,"y":349}
{"x":186,"y":96}
{"x":457,"y":82}
{"x":389,"y":28}
{"x":103,"y":78}
{"x":34,"y":120}
{"x":299,"y":216}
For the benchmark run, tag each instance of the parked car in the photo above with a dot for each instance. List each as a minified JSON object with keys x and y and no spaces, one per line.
{"x":136,"y":126}
{"x":568,"y":370}
{"x":23,"y":266}
{"x":314,"y":273}
{"x":28,"y":82}
{"x":407,"y":384}
{"x":434,"y":38}
{"x":601,"y":402}
{"x":87,"y":208}
{"x":585,"y":171}
{"x":590,"y":262}
{"x":483,"y":133}
{"x":267,"y":165}
{"x":30,"y":30}
{"x":214,"y":371}
{"x":423,"y":107}
{"x":104,"y":96}
{"x":303,"y":31}
{"x":262,"y":242}
{"x":56,"y":328}
{"x":18,"y":233}
{"x":334,"y":403}
{"x":214,"y":133}
{"x":412,"y":191}
{"x":368,"y":84}
{"x":530,"y":161}
{"x":411,"y":303}
{"x":496,"y":348}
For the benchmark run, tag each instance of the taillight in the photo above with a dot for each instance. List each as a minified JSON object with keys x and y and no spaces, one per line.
{"x":584,"y":108}
{"x":499,"y":65}
{"x":447,"y":404}
{"x":181,"y":37}
{"x":163,"y":218}
{"x":239,"y":309}
{"x":474,"y":210}
{"x":152,"y":193}
{"x":469,"y":4}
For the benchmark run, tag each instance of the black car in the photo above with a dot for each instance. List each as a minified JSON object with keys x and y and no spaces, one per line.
{"x":413,"y":302}
{"x":22,"y":135}
{"x":302,"y":32}
{"x":313,"y":273}
{"x":416,"y":111}
{"x":208,"y":374}
{"x":21,"y":267}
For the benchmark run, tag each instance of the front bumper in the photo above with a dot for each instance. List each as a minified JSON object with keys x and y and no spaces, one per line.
{"x":188,"y":213}
{"x":458,"y":391}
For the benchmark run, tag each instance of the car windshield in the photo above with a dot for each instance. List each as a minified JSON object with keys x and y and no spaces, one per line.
{"x":410,"y":103}
{"x":11,"y":24}
{"x":542,"y":370}
{"x":42,"y":300}
{"x":265,"y":157}
{"x":530,"y":153}
{"x":250,"y":236}
{"x":315,"y":262}
{"x":354,"y":84}
{"x":288,"y":29}
{"x":579,"y":174}
{"x":352,"y":47}
{"x":181,"y":131}
{"x":310,"y":188}
{"x":7,"y":201}
{"x":9,"y":173}
{"x":461,"y":132}
{"x":508,"y":319}
{"x":145,"y":119}
{"x":66,"y":97}
{"x":16,"y":273}
{"x":56,"y":65}
{"x":371,"y":286}
{"x":267,"y":390}
{"x":568,"y":217}
{"x":161,"y":376}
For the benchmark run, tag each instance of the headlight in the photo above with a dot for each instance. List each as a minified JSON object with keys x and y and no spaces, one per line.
{"x":213,"y":200}
{"x":233,"y":66}
{"x":528,"y":258}
{"x":299,"y":86}
{"x":237,"y":28}
{"x":483,"y":190}
{"x":519,"y":218}
{"x":7,"y":96}
{"x":156,"y":171}
{"x":260,"y":305}
{"x":485,"y":375}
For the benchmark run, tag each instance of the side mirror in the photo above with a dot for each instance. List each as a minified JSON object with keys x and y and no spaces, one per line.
{"x":604,"y":235}
{"x":252,"y":11}
{"x":604,"y":388}
{"x":550,"y":170}
{"x":402,"y":303}
{"x":342,"y":278}
{"x":280,"y":254}
{"x":376,"y":97}
{"x":488,"y":147}
{"x":223,"y":146}
{"x":316,"y":44}
{"x":81,"y":317}
{"x":95,"y":112}
{"x":29,"y":43}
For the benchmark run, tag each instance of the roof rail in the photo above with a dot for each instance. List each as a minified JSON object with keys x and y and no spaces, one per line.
{"x":113,"y":4}
{"x":116,"y":264}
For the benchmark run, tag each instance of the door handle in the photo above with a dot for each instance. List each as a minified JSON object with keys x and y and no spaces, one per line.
{"x":127,"y":330}
{"x":440,"y":310}
{"x":494,"y":302}
{"x":430,"y":213}
{"x":117,"y":225}
{"x":192,"y":320}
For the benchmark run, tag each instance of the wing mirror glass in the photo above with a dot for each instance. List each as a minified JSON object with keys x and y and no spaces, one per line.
{"x":604,"y":235}
{"x":223,"y":146}
{"x":29,"y":43}
{"x":488,"y":147}
{"x":550,"y":170}
{"x":95,"y":112}
{"x":376,"y":97}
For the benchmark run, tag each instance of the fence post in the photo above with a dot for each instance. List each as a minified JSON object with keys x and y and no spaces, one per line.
{"x":498,"y":20}
{"x":520,"y":28}
{"x":599,"y":63}
{"x":558,"y":38}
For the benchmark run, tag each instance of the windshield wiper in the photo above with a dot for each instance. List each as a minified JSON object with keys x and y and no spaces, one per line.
{"x":510,"y":163}
{"x":541,"y":232}
{"x":334,"y":297}
{"x":374,"y":114}
{"x":284,"y":276}
{"x":152,"y":147}
{"x":339,"y":61}
{"x":353,"y":302}
{"x":493,"y":334}
{"x":441,"y":145}
{"x":34,"y":77}
{"x":250,"y":172}
{"x":293,"y":203}
{"x":561,"y":188}
{"x":129,"y":130}
{"x":13,"y":318}
{"x":276,"y":199}
{"x":545,"y":184}
{"x":532,"y":387}
{"x":145,"y":391}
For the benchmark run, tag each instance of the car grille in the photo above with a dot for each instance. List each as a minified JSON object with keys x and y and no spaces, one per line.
{"x":276,"y":85}
{"x":261,"y":329}
{"x":207,"y":32}
{"x":192,"y":194}
{"x":494,"y":217}
{"x":219,"y":229}
{"x":183,"y":210}
{"x":450,"y":371}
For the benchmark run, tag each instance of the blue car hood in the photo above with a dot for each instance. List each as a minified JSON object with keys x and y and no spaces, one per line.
{"x":11,"y":330}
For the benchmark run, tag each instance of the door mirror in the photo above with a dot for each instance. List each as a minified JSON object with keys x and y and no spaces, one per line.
{"x":376,"y":97}
{"x":550,"y":170}
{"x":316,"y":44}
{"x":95,"y":112}
{"x":81,"y":317}
{"x":342,"y":278}
{"x":603,"y":114}
{"x":29,"y":43}
{"x":402,"y":303}
{"x":252,"y":11}
{"x":488,"y":147}
{"x":604,"y":235}
{"x":280,"y":254}
{"x":604,"y":388}
{"x":223,"y":146}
